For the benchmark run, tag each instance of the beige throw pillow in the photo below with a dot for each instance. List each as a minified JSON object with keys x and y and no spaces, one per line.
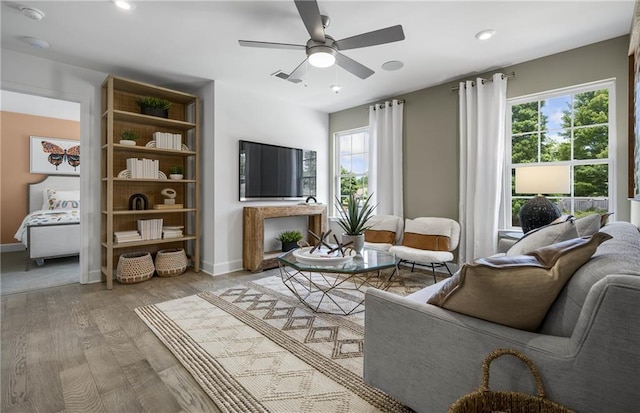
{"x":516,"y":291}
{"x":543,"y":236}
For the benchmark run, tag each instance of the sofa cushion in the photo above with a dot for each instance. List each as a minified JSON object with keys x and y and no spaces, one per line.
{"x":516,"y":291}
{"x":544,"y":236}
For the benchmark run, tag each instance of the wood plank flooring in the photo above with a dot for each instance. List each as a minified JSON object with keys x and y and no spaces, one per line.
{"x":81,"y":348}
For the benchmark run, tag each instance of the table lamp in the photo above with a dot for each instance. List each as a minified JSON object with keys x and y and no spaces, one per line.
{"x":548,"y":179}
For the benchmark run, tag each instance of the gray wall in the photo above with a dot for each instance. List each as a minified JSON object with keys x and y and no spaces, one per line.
{"x":431,"y":162}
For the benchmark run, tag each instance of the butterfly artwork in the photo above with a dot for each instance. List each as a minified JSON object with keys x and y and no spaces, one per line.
{"x":58,"y":155}
{"x":55,"y":156}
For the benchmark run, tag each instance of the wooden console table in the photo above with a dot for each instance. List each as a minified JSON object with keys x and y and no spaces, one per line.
{"x":254,"y":258}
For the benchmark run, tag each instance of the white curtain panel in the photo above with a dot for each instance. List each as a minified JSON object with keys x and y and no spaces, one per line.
{"x":385,"y":157}
{"x":482,"y":144}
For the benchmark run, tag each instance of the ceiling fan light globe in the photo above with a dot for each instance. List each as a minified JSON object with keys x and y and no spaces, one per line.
{"x":322,"y":57}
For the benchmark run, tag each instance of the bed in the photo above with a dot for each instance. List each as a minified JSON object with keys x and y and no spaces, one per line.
{"x":51,"y":228}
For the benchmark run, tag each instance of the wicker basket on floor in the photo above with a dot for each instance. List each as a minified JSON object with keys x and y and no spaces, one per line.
{"x":135,"y":267}
{"x":171,"y":262}
{"x":484,"y":400}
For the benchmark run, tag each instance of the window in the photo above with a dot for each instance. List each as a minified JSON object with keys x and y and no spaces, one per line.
{"x":569,"y":127}
{"x":351,"y":163}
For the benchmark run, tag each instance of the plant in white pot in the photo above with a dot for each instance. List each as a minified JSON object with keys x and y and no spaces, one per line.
{"x":128,"y":137}
{"x":175,"y":172}
{"x":353,"y":218}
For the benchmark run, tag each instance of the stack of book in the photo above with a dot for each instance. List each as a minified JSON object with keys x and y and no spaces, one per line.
{"x":165,"y":140}
{"x":143,"y":168}
{"x":126,"y":236}
{"x":172,"y":232}
{"x":150,"y":228}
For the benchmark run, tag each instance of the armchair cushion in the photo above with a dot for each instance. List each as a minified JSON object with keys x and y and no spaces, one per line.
{"x":516,"y":291}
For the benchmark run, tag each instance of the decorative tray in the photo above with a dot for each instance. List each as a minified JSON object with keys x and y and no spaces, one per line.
{"x":320,"y":256}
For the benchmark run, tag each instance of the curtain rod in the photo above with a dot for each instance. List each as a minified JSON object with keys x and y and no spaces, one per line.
{"x":382,"y":105}
{"x":508,"y":75}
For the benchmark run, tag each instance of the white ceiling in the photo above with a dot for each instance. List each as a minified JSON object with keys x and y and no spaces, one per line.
{"x":187,"y":43}
{"x":39,"y":106}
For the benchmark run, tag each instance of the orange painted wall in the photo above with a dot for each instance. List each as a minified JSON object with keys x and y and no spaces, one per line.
{"x":14,"y":153}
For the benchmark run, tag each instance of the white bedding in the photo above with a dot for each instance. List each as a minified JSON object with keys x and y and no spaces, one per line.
{"x":46,"y":217}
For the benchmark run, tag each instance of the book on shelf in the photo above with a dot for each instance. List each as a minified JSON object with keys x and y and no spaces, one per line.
{"x":143,"y":168}
{"x":150,"y":228}
{"x":163,"y":206}
{"x":120,"y":237}
{"x":165,"y":140}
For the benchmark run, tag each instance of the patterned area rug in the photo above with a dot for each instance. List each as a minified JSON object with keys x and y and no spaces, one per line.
{"x":255,"y":348}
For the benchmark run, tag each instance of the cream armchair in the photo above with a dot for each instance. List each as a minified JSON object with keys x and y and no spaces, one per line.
{"x":428,"y":241}
{"x":385,"y":232}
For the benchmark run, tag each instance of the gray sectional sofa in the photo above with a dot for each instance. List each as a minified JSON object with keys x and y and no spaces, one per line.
{"x":587,"y":349}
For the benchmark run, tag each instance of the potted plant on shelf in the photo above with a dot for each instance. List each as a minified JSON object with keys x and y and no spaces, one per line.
{"x":128,"y":137}
{"x":175,"y":172}
{"x":289,"y":240}
{"x":353,"y":218}
{"x":154,"y":106}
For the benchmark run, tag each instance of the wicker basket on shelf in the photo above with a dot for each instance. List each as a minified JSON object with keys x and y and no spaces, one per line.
{"x":484,"y":400}
{"x":171,"y":262}
{"x":135,"y":267}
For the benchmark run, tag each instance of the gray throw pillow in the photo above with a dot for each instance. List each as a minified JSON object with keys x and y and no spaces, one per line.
{"x":588,"y":225}
{"x":544,"y":236}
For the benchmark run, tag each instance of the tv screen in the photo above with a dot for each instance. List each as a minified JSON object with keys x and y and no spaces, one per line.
{"x":276,"y":172}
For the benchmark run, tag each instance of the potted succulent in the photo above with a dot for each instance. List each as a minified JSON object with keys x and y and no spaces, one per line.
{"x":175,"y":172}
{"x":289,"y":240}
{"x":353,"y":218}
{"x":128,"y":137}
{"x":154,"y":106}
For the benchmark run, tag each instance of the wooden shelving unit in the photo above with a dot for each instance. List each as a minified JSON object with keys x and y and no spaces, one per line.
{"x":120,"y":112}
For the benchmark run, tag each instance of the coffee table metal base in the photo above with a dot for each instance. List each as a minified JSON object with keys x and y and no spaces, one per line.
{"x":331,"y":292}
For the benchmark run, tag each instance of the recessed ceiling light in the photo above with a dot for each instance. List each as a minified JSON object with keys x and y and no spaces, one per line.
{"x":485,"y":34}
{"x":35,"y":42}
{"x":336,"y":88}
{"x":124,"y":5}
{"x":32,"y":13}
{"x":392,"y":65}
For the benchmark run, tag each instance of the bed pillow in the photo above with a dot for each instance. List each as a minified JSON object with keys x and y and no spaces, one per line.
{"x":543,"y":236}
{"x":57,"y":199}
{"x":516,"y":291}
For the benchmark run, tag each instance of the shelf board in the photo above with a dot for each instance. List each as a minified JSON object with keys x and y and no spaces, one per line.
{"x":140,"y":88}
{"x":149,"y":242}
{"x":150,"y":211}
{"x":143,"y":149}
{"x":171,"y":181}
{"x":124,"y":116}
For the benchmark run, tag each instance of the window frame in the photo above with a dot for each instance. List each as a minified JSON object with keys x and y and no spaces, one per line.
{"x":335,"y":170}
{"x":507,"y":198}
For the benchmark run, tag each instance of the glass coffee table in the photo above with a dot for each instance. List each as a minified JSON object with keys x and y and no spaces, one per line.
{"x":337,"y":288}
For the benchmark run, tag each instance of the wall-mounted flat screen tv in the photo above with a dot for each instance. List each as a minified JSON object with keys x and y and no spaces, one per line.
{"x":271,"y":172}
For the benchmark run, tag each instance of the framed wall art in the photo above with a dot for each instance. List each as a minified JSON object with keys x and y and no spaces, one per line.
{"x":54,"y":156}
{"x":634,"y":108}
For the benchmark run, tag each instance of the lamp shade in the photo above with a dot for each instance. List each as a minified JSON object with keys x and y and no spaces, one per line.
{"x":547,"y":179}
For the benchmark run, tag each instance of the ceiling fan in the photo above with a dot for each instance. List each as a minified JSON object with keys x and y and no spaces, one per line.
{"x":322,"y":50}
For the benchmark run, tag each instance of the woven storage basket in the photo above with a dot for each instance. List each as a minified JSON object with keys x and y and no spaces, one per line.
{"x":171,"y":262}
{"x":484,"y":400}
{"x":135,"y":267}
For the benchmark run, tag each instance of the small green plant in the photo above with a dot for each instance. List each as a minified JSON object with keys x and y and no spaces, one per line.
{"x":289,"y":236}
{"x":128,"y":135}
{"x":353,"y":217}
{"x":175,"y":170}
{"x":153,"y":102}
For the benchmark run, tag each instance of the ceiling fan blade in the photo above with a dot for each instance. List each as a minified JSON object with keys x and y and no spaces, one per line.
{"x":352,"y":66}
{"x":285,"y":76}
{"x":310,"y":15}
{"x":298,"y":72}
{"x":376,"y":37}
{"x":270,"y":45}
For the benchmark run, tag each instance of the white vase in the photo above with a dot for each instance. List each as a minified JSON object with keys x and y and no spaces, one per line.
{"x":175,"y":176}
{"x":127,"y":142}
{"x":358,"y":242}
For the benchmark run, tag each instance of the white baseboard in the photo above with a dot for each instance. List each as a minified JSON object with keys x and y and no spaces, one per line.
{"x":226,"y":267}
{"x":95,"y":276}
{"x":12,"y":247}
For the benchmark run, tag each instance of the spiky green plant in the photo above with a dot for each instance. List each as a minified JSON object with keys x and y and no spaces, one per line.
{"x":289,"y":236}
{"x":153,"y":102}
{"x":128,"y":135}
{"x":353,"y":220}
